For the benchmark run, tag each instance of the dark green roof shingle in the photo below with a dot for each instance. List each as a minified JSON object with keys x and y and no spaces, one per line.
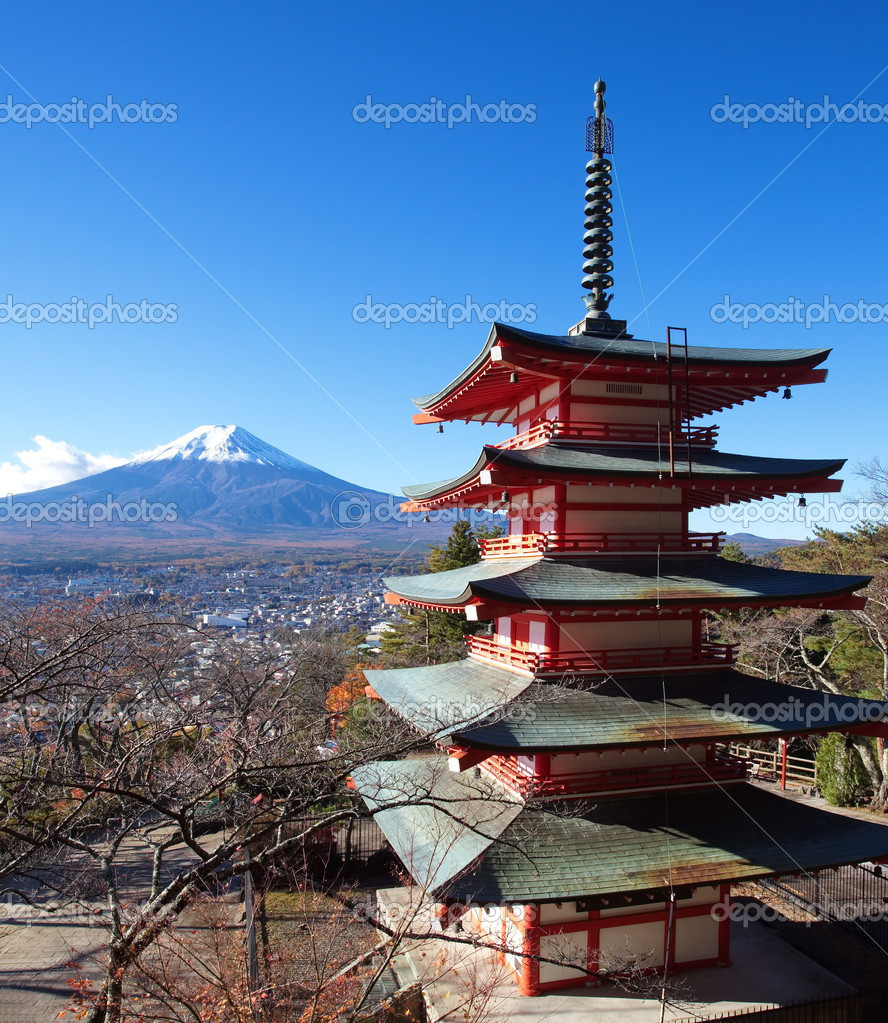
{"x":437,"y":698}
{"x":500,"y":854}
{"x":436,"y":821}
{"x":709,"y":581}
{"x":588,"y":463}
{"x":477,"y":704}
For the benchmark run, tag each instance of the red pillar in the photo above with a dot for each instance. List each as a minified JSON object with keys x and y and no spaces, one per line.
{"x":529,"y":978}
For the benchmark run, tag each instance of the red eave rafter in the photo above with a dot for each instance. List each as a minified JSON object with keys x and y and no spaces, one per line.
{"x":604,"y":367}
{"x":703,"y":492}
{"x":397,"y":600}
{"x":710,"y":386}
{"x":484,"y":609}
{"x":873,"y":730}
{"x":728,"y":379}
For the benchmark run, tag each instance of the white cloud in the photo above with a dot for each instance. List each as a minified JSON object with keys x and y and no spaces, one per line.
{"x":50,"y":463}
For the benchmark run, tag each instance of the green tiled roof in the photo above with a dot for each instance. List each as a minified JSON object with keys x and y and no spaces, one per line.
{"x":612,"y":582}
{"x":478,"y":704}
{"x":438,"y":822}
{"x":715,"y":706}
{"x":626,"y":349}
{"x":437,"y":698}
{"x":457,"y":581}
{"x":574,"y":460}
{"x":647,"y":350}
{"x":705,"y":836}
{"x":734,"y":833}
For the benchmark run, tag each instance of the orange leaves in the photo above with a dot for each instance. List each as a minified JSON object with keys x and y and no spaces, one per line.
{"x":341,"y":698}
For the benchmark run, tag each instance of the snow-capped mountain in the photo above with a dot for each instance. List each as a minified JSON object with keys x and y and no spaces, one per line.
{"x":224,"y":444}
{"x":213,"y":479}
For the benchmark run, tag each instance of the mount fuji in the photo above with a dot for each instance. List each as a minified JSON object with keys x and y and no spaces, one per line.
{"x":218,"y":488}
{"x":215,"y":480}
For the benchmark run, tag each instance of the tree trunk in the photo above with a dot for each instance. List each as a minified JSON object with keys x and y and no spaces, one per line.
{"x":880,"y":796}
{"x":109,"y":1005}
{"x":877,"y":769}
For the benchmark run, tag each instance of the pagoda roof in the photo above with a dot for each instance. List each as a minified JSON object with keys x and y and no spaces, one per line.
{"x":608,"y":582}
{"x":466,"y":840}
{"x":437,"y":698}
{"x":720,"y":377}
{"x":437,"y":828}
{"x":560,"y":461}
{"x":488,"y":707}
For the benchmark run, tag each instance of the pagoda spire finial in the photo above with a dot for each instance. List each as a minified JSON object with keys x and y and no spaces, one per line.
{"x":597,"y":250}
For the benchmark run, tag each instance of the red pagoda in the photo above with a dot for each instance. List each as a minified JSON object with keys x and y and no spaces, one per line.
{"x":587,"y":815}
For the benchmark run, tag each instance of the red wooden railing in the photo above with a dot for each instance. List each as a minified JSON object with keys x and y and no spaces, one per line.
{"x":608,"y":433}
{"x":501,"y":653}
{"x":488,"y":649}
{"x":528,"y":544}
{"x":536,"y":435}
{"x":616,"y":779}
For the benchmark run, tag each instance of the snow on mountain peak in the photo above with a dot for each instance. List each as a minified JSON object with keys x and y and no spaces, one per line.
{"x":223,"y":444}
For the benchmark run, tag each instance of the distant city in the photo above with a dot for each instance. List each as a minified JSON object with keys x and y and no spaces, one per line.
{"x":247,"y":604}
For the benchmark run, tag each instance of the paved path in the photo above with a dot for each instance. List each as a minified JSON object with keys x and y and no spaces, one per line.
{"x":37,"y":944}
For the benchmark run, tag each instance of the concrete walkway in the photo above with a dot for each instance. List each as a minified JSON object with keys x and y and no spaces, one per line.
{"x":38,"y":943}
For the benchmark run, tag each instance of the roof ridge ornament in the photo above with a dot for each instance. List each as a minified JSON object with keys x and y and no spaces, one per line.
{"x":599,"y":129}
{"x":597,"y":250}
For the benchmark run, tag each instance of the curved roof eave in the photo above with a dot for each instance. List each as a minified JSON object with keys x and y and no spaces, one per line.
{"x":706,"y":464}
{"x":463,"y":580}
{"x":618,"y":463}
{"x":623,"y":349}
{"x":430,"y":399}
{"x":480,"y":705}
{"x":611,"y":582}
{"x":636,"y":349}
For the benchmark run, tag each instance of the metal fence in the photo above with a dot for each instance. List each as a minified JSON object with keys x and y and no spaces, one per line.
{"x":860,"y":1007}
{"x":851,"y":900}
{"x":854,"y":899}
{"x":362,"y":850}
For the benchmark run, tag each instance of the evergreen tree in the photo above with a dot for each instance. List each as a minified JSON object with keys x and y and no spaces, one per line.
{"x":461,"y":549}
{"x":841,"y":776}
{"x":732,"y":551}
{"x":432,"y":637}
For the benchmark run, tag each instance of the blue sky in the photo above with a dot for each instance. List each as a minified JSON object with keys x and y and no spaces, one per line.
{"x":265,"y":212}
